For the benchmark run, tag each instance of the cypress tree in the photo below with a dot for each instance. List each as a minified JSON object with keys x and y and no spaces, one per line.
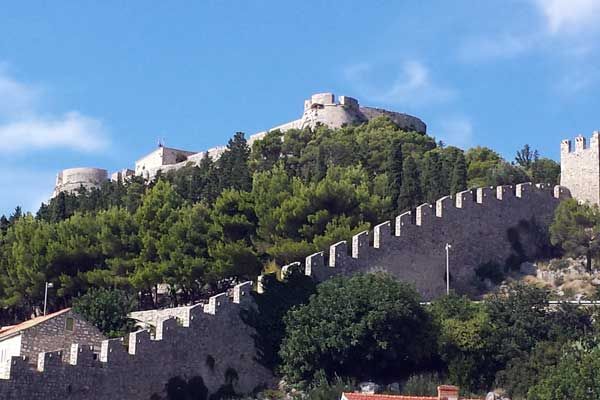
{"x":459,"y":175}
{"x":4,"y":224}
{"x":433,"y":177}
{"x":410,"y":191}
{"x":395,"y":170}
{"x":209,"y":190}
{"x":320,"y":164}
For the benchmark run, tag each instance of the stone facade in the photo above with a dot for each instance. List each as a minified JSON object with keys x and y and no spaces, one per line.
{"x":70,"y":180}
{"x":210,"y":340}
{"x":580,"y":168}
{"x":160,"y":157}
{"x":55,"y":334}
{"x":475,"y":223}
{"x":122,"y":176}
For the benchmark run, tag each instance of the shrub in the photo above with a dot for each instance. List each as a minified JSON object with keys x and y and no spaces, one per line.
{"x":490,"y":270}
{"x":422,"y":384}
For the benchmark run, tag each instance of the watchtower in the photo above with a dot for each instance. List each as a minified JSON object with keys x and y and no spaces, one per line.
{"x":580,"y":168}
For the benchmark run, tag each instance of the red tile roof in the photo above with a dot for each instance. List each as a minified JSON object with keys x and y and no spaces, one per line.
{"x":361,"y":396}
{"x":12,"y":329}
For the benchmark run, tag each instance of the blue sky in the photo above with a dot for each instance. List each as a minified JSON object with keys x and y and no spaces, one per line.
{"x":91,"y":83}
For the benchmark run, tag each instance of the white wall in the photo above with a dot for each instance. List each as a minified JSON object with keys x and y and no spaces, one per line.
{"x":10,"y":347}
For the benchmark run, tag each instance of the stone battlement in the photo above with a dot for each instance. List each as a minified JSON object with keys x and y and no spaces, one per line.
{"x":580,"y":167}
{"x":208,"y":341}
{"x":412,"y":247}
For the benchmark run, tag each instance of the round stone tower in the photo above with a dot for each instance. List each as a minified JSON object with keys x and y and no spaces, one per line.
{"x":71,"y":179}
{"x":323,"y":109}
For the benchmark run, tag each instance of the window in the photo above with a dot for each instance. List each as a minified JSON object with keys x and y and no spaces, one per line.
{"x":70,"y":324}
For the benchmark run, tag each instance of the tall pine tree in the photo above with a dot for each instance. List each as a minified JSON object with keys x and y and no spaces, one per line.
{"x":459,"y":175}
{"x":233,"y":165}
{"x":410,"y":192}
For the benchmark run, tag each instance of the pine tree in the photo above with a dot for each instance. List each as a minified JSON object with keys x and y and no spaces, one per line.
{"x":459,"y":175}
{"x":234,"y":170}
{"x":410,"y":192}
{"x":4,"y":224}
{"x":433,"y":177}
{"x":395,"y":170}
{"x":526,"y":157}
{"x":16,"y":215}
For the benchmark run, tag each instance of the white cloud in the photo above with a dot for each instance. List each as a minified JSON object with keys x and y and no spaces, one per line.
{"x":504,"y":46}
{"x":456,"y":131}
{"x":72,"y":130}
{"x":569,"y":16}
{"x":24,"y":127}
{"x":412,"y":85}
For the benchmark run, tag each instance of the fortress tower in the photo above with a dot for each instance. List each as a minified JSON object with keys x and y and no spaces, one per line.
{"x":580,"y":168}
{"x":71,"y":179}
{"x":323,"y":109}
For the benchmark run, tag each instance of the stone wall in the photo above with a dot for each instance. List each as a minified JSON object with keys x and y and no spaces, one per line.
{"x":211,"y":342}
{"x":580,"y":168}
{"x":52,"y":335}
{"x":161,"y":157}
{"x":404,"y":121}
{"x":475,"y":223}
{"x":71,"y":179}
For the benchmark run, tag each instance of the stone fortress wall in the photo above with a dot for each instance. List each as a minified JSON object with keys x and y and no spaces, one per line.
{"x":208,"y":340}
{"x":69,"y":180}
{"x":475,"y":223}
{"x":580,"y":168}
{"x":321,"y":108}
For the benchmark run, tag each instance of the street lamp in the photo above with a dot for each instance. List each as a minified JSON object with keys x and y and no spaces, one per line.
{"x":448,"y":247}
{"x":49,"y":285}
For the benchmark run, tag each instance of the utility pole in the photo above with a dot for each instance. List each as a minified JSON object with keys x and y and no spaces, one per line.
{"x":448,"y":247}
{"x":48,"y":285}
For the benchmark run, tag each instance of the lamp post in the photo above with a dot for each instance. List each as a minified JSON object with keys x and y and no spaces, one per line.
{"x":448,"y":247}
{"x":48,"y":285}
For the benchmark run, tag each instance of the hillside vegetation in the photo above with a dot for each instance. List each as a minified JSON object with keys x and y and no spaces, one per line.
{"x":203,"y":227}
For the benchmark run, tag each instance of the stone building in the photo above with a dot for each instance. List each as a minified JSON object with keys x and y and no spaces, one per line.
{"x":445,"y":392}
{"x":320,"y":109}
{"x":207,"y":342}
{"x":72,"y":179}
{"x":160,"y":157}
{"x":51,"y":332}
{"x":580,"y":168}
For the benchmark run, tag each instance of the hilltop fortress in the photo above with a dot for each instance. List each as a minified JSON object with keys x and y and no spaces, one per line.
{"x":321,"y":108}
{"x":500,"y":225}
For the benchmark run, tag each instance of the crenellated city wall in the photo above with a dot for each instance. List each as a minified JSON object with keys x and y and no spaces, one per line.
{"x":475,"y":223}
{"x":210,"y":340}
